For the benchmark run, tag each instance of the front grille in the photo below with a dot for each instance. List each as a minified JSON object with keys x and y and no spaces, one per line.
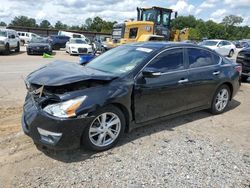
{"x":82,"y":50}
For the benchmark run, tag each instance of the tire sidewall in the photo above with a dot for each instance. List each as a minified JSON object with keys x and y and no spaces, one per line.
{"x":85,"y":137}
{"x":213,"y":108}
{"x":7,"y":49}
{"x":231,"y":53}
{"x":18,"y":47}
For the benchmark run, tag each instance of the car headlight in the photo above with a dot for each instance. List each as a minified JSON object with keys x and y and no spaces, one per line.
{"x":72,"y":47}
{"x":65,"y":109}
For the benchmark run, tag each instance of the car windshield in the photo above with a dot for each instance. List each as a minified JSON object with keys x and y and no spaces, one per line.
{"x":3,"y":34}
{"x":77,"y":41}
{"x":209,"y":43}
{"x":39,"y":40}
{"x":120,"y":60}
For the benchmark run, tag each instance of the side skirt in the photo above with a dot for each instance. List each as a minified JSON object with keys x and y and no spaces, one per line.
{"x":134,"y":125}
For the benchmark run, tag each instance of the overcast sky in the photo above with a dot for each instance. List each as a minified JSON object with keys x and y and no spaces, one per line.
{"x":74,"y":12}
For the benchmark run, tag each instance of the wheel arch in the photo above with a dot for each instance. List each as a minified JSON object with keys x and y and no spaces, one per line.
{"x":230,"y":87}
{"x":125,"y":112}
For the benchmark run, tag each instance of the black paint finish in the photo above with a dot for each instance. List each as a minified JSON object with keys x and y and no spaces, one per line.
{"x":141,"y":98}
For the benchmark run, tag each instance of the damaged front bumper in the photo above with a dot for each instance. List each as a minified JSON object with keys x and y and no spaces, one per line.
{"x":50,"y":131}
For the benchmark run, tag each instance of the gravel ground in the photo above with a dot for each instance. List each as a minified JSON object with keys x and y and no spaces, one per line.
{"x":195,"y":150}
{"x":181,"y":161}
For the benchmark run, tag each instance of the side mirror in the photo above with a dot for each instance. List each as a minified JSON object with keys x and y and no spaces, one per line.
{"x":148,"y":73}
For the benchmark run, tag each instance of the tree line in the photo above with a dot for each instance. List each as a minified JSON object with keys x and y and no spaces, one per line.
{"x":96,"y":24}
{"x":198,"y":29}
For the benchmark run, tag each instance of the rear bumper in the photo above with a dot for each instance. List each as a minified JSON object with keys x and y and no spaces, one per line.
{"x":49,"y":131}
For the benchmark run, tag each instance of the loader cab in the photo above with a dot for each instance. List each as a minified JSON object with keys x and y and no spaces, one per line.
{"x":161,"y":17}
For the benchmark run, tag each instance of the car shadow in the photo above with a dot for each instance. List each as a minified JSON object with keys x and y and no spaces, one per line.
{"x":69,"y":156}
{"x":53,"y":54}
{"x":12,"y":53}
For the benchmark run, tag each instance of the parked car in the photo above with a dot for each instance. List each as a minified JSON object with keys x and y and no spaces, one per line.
{"x":9,"y":40}
{"x":39,"y":46}
{"x":124,"y":88}
{"x":25,"y":37}
{"x":243,"y":58}
{"x":78,"y":46}
{"x":223,"y":47}
{"x":58,"y":42}
{"x":242,"y":44}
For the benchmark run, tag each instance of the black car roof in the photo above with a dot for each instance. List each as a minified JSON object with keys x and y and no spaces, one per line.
{"x":159,"y":45}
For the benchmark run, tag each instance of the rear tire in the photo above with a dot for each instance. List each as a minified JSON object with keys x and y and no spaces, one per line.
{"x":231,"y":53}
{"x":109,"y":118}
{"x":220,"y":100}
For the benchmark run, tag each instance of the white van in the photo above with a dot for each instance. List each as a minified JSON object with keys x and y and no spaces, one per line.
{"x":25,"y":37}
{"x":74,"y":35}
{"x":9,"y":40}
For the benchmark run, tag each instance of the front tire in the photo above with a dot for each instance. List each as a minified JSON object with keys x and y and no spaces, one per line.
{"x":17,"y":48}
{"x":220,"y":100}
{"x":105,"y":130}
{"x":7,"y":49}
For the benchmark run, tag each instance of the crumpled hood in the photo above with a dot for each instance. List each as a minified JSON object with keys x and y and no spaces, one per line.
{"x":60,"y":73}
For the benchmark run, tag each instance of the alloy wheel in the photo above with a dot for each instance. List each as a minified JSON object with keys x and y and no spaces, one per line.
{"x":105,"y":129}
{"x":222,"y":99}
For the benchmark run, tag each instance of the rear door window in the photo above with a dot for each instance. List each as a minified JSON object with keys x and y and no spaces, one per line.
{"x":170,"y":60}
{"x":201,"y":58}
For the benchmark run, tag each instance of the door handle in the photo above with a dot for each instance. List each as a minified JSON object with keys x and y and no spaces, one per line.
{"x":216,"y":72}
{"x":183,"y":81}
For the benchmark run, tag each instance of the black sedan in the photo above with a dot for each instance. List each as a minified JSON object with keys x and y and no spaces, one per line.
{"x":39,"y":45}
{"x":243,"y":58}
{"x":129,"y":86}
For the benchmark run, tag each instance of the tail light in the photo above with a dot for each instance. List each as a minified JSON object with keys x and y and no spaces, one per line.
{"x":238,"y":68}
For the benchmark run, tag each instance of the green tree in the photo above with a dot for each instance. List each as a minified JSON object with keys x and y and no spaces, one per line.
{"x":232,"y":20}
{"x":99,"y":25}
{"x":45,"y":24}
{"x":3,"y":24}
{"x":182,"y":22}
{"x":23,"y":21}
{"x":60,"y":25}
{"x":194,"y":34}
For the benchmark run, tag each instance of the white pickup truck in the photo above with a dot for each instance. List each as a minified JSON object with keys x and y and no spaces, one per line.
{"x":9,"y":40}
{"x":25,"y":37}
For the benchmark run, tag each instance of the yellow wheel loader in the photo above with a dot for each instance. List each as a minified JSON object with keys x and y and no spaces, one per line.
{"x":153,"y":24}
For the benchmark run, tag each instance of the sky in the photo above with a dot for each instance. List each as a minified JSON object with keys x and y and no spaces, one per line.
{"x":74,"y":12}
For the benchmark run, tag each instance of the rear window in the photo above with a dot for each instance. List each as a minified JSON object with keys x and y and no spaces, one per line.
{"x":201,"y":58}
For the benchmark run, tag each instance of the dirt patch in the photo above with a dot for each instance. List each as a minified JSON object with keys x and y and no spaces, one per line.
{"x":10,"y":119}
